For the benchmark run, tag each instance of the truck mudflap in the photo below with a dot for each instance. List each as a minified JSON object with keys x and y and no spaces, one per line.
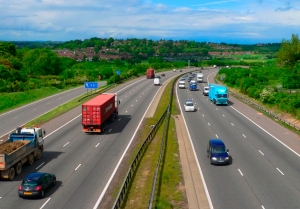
{"x":91,"y":130}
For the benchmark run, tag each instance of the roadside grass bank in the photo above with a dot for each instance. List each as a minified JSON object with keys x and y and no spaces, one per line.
{"x":14,"y":100}
{"x":170,"y":192}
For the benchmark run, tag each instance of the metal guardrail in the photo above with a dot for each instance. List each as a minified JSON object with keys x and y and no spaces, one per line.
{"x":162,"y":149}
{"x":240,"y":97}
{"x":122,"y":193}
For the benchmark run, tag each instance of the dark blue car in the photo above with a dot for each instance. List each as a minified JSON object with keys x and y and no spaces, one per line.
{"x":217,"y":152}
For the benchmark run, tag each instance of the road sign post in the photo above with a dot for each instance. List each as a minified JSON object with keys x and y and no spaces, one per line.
{"x":90,"y":85}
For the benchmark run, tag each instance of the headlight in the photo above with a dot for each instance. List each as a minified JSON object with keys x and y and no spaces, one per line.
{"x":214,"y":158}
{"x":226,"y":158}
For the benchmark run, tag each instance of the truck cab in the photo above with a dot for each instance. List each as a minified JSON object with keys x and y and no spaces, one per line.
{"x":218,"y":94}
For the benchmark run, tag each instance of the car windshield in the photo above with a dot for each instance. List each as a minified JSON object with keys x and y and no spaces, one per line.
{"x":206,"y":88}
{"x":29,"y":183}
{"x":218,"y":149}
{"x":221,"y":95}
{"x":189,"y":104}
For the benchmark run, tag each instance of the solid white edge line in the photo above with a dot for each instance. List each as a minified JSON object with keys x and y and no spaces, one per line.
{"x":261,"y":152}
{"x":267,"y":132}
{"x":45,"y":203}
{"x":38,"y":101}
{"x":62,"y":126}
{"x":280,"y":171}
{"x":39,"y":166}
{"x":117,"y":166}
{"x":77,"y":167}
{"x":196,"y":158}
{"x":240,"y":172}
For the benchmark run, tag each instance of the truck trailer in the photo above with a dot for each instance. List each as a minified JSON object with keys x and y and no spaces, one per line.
{"x":97,"y":112}
{"x":218,"y":94}
{"x":150,"y":73}
{"x":24,"y":145}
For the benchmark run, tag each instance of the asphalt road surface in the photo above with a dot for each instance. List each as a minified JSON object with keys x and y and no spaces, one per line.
{"x":18,"y":117}
{"x":265,"y":170}
{"x":84,"y":163}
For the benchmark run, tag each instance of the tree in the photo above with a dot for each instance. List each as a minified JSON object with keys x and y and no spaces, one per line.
{"x":289,"y":53}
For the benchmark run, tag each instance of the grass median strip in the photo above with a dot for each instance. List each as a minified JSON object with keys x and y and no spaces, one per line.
{"x":60,"y":110}
{"x":170,"y":188}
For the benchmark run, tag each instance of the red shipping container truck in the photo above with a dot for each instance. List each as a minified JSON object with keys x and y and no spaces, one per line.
{"x":150,"y":73}
{"x":97,"y":112}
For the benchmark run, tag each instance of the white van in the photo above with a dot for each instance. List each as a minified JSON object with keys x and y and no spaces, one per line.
{"x":156,"y":82}
{"x":199,"y":77}
{"x":181,"y":84}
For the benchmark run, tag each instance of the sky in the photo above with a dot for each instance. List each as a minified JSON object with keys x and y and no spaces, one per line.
{"x":230,"y":21}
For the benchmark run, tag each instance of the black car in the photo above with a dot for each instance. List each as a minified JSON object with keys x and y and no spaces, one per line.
{"x":163,"y":74}
{"x":35,"y":184}
{"x":157,"y":76}
{"x":217,"y":152}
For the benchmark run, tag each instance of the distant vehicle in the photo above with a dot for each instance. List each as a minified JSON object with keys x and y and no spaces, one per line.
{"x":180,"y":70}
{"x":189,"y":79}
{"x":163,"y":74}
{"x":174,"y":70}
{"x":189,"y":106}
{"x":218,"y":94}
{"x":157,"y":76}
{"x":215,"y":66}
{"x":35,"y":184}
{"x":183,"y":78}
{"x":192,"y":81}
{"x":97,"y":112}
{"x":217,"y":152}
{"x":23,"y":146}
{"x":193,"y":86}
{"x":150,"y":73}
{"x":156,"y":82}
{"x":205,"y":90}
{"x":181,"y":85}
{"x":200,"y":77}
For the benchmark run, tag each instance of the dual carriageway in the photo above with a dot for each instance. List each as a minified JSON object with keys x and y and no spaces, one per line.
{"x":264,"y":172}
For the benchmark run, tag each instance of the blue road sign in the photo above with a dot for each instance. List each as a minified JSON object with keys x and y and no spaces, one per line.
{"x":118,"y":72}
{"x":91,"y":85}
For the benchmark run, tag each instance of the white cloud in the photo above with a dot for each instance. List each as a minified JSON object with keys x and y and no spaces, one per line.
{"x":69,"y":20}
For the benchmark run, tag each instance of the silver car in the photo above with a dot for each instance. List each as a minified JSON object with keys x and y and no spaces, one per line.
{"x":206,"y":90}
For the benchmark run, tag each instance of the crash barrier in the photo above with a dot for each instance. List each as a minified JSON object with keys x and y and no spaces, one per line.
{"x":124,"y":188}
{"x":240,"y":97}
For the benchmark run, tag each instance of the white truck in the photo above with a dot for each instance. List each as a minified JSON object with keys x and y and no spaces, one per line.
{"x":199,"y":77}
{"x":24,"y":145}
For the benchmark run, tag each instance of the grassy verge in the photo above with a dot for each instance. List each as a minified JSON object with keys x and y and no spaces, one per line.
{"x":10,"y":101}
{"x":170,"y":194}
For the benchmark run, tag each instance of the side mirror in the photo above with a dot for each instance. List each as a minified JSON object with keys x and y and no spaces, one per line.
{"x":119,"y":102}
{"x":44,"y":133}
{"x":227,"y":150}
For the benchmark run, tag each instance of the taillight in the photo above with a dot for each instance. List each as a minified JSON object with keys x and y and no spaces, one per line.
{"x":38,"y":188}
{"x":20,"y":187}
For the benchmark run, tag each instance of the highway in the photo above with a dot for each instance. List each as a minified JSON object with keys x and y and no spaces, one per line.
{"x":265,"y":169}
{"x":84,"y":163}
{"x":19,"y":116}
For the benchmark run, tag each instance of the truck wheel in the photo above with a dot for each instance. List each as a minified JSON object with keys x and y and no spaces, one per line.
{"x":30,"y":159}
{"x":38,"y":154}
{"x":18,"y":168}
{"x":11,"y":173}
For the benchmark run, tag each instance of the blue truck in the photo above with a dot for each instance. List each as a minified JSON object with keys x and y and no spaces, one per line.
{"x":193,"y":86}
{"x":218,"y":94}
{"x":24,"y":145}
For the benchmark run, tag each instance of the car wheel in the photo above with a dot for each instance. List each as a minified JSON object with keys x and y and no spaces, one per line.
{"x":42,"y":194}
{"x":54,"y":182}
